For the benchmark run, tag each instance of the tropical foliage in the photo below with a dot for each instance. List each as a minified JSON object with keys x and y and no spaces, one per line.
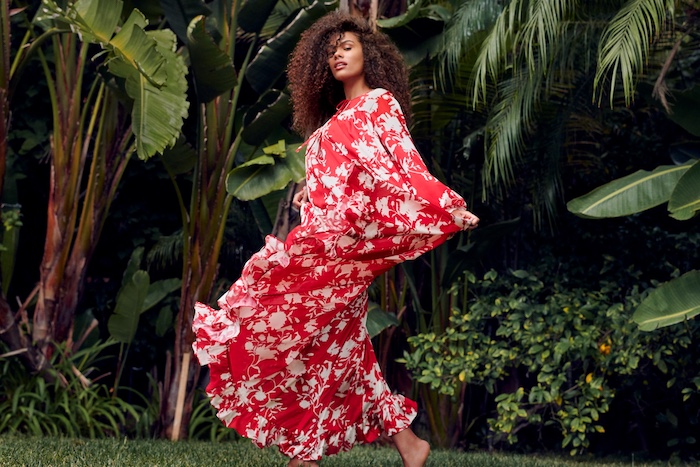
{"x":232,"y":151}
{"x":539,"y":69}
{"x":516,"y":104}
{"x":81,"y":187}
{"x":679,"y":185}
{"x":70,"y":404}
{"x":556,"y":361}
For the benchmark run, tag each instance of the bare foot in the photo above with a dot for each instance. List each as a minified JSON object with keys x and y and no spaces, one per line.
{"x":413,"y":450}
{"x":301,"y":463}
{"x":417,"y":455}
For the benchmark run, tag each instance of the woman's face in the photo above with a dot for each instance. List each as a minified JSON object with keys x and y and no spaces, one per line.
{"x":345,"y":58}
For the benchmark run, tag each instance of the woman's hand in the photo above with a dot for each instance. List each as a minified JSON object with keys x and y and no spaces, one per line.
{"x":470,"y":220}
{"x":300,"y":197}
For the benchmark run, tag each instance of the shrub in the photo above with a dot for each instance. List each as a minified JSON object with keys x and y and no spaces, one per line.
{"x":553,"y":355}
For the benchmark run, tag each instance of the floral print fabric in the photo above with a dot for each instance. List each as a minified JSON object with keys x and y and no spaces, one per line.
{"x":290,"y":360}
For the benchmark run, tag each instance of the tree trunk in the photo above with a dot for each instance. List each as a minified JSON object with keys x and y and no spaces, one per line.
{"x":204,"y":230}
{"x":75,"y":218}
{"x":67,"y":161}
{"x":17,"y":342}
{"x":287,"y":215}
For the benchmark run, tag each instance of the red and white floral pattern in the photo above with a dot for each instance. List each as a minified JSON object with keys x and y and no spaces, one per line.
{"x":289,"y":357}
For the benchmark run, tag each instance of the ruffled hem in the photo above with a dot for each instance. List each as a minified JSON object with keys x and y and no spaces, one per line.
{"x":395,"y":413}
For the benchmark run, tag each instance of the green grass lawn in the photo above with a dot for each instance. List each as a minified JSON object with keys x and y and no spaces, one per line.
{"x":36,"y":452}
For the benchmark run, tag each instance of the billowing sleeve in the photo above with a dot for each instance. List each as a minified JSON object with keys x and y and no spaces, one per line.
{"x":396,"y":207}
{"x":390,"y":127}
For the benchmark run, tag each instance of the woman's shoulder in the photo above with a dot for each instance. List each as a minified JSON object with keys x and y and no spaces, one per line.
{"x":380,"y":93}
{"x":380,"y":102}
{"x":379,"y":99}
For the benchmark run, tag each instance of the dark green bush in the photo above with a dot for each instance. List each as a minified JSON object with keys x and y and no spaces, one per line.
{"x":557,"y":361}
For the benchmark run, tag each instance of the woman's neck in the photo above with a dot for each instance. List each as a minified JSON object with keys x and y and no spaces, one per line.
{"x":355,"y":88}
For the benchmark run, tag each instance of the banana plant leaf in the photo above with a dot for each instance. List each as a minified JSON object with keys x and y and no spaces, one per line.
{"x":137,"y":296}
{"x":123,"y":323}
{"x":267,"y":173}
{"x":158,"y":290}
{"x":158,"y":112}
{"x":96,"y":24}
{"x":404,"y":19}
{"x":213,"y":70}
{"x":628,"y":195}
{"x":378,"y":320}
{"x":269,"y":112}
{"x":180,"y":13}
{"x":685,"y":110}
{"x":685,"y":199}
{"x":179,"y":159}
{"x":137,"y":49}
{"x":270,"y":62}
{"x":673,"y":302}
{"x":154,"y":72}
{"x":133,"y":265}
{"x":254,"y":14}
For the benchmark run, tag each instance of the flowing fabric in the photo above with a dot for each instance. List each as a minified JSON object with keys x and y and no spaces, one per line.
{"x":290,"y":360}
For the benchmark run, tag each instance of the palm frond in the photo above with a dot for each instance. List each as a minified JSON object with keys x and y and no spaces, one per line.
{"x":511,"y":120}
{"x":495,"y":50}
{"x":166,"y":253}
{"x":625,"y":43}
{"x":461,"y":33}
{"x":542,"y":30}
{"x":544,"y":154}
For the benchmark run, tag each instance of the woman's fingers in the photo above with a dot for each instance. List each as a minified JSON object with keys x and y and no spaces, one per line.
{"x":300,"y":197}
{"x":470,"y":219}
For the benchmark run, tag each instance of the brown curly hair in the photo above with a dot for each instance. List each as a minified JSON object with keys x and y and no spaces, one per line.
{"x":316,"y":94}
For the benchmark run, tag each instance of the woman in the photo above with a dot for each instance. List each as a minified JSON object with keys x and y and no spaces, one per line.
{"x":290,"y":360}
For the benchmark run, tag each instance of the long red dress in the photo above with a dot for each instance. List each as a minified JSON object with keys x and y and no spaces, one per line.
{"x":290,"y":360}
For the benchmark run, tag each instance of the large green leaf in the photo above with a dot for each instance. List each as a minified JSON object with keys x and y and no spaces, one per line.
{"x":267,"y":173}
{"x":180,"y":13}
{"x":134,"y":46}
{"x":158,"y":112}
{"x":404,"y":19}
{"x":158,"y":291}
{"x":99,"y":19}
{"x":154,"y":73}
{"x":123,"y":323}
{"x":673,"y":302}
{"x":271,"y":61}
{"x":179,"y":159}
{"x":685,"y":199}
{"x":254,"y":14}
{"x":629,"y":195}
{"x":378,"y":320}
{"x":213,"y":70}
{"x":270,"y":110}
{"x":133,"y":265}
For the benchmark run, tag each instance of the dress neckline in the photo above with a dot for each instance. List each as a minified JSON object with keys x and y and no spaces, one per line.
{"x":344,"y":104}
